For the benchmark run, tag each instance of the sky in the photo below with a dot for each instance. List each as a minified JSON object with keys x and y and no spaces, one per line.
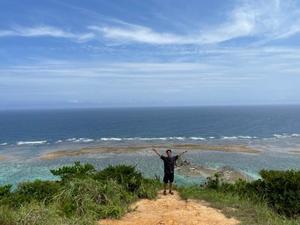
{"x":133,"y":53}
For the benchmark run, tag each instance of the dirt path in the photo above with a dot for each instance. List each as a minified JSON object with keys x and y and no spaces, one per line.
{"x":171,"y":210}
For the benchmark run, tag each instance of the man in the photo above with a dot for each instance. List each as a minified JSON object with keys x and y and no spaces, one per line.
{"x":169,"y":164}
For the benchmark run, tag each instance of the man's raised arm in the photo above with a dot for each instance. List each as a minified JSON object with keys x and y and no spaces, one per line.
{"x":181,"y":153}
{"x":154,"y":150}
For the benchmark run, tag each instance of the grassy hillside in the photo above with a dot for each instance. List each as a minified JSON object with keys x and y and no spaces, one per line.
{"x":272,"y":200}
{"x":82,"y":196}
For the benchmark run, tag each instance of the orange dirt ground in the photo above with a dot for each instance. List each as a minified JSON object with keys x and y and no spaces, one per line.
{"x":171,"y":210}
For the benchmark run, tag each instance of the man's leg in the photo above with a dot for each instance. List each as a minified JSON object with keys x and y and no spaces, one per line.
{"x":165,"y":188}
{"x":171,"y":182}
{"x":165,"y":183}
{"x":170,"y":188}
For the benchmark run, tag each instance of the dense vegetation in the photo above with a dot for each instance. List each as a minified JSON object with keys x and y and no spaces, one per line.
{"x":273,"y":199}
{"x":81,"y":196}
{"x":279,"y":189}
{"x":84,"y":195}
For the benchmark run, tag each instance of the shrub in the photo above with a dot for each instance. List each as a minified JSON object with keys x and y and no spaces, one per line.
{"x":149,"y":188}
{"x":87,"y":196}
{"x":5,"y":190}
{"x":37,"y":190}
{"x":279,"y":189}
{"x":130,"y":179}
{"x":125,"y":175}
{"x":76,"y":171}
{"x":213,"y":182}
{"x":28,"y":191}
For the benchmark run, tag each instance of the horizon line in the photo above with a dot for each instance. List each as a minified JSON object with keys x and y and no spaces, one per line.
{"x":142,"y":107}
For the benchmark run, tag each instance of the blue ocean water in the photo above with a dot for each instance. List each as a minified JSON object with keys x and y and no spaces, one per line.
{"x":87,"y":125}
{"x":25,"y":135}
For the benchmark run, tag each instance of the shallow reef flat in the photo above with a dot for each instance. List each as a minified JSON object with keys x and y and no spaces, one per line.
{"x":295,"y":151}
{"x":143,"y":148}
{"x":90,"y":150}
{"x":223,"y":148}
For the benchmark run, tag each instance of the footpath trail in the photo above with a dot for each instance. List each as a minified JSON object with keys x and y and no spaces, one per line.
{"x":171,"y":210}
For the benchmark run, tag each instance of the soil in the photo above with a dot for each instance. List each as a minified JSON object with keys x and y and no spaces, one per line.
{"x":171,"y":210}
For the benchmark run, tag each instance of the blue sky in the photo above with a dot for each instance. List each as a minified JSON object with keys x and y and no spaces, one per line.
{"x":114,"y":53}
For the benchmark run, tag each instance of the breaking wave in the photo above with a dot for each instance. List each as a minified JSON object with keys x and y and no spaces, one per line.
{"x":31,"y":142}
{"x":79,"y":140}
{"x":175,"y":138}
{"x":285,"y":135}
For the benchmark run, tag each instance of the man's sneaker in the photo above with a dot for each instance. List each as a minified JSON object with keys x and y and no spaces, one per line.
{"x":171,"y":192}
{"x":165,"y":193}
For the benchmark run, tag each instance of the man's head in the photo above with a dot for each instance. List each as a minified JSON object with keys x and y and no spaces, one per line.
{"x":169,"y":152}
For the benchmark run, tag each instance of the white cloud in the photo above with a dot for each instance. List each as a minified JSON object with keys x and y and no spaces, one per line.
{"x":265,"y":20}
{"x":275,"y":19}
{"x":268,"y":20}
{"x":217,"y":64}
{"x":138,"y":34}
{"x":46,"y":31}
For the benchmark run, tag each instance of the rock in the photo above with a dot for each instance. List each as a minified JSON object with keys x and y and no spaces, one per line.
{"x":226,"y":173}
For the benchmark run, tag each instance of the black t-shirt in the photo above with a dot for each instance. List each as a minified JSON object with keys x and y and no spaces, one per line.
{"x":169,"y":163}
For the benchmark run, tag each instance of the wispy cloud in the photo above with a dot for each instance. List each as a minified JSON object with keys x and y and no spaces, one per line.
{"x":46,"y":31}
{"x":226,"y":76}
{"x":217,"y":64}
{"x":268,"y":20}
{"x":264,"y":20}
{"x":138,"y":33}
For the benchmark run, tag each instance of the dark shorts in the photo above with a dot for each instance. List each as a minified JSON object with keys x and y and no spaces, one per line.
{"x":168,"y":177}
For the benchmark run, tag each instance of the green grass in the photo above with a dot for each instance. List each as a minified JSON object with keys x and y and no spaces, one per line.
{"x":82,"y":196}
{"x":245,"y":210}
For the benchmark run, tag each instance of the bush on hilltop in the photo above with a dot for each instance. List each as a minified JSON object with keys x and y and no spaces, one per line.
{"x":279,"y":189}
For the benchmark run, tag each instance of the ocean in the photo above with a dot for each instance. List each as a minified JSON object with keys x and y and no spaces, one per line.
{"x":24,"y":135}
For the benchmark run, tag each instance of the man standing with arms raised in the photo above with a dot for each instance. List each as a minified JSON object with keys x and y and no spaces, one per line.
{"x":169,"y":165}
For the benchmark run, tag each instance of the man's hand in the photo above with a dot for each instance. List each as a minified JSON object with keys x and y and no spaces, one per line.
{"x":154,"y":150}
{"x":182,"y":153}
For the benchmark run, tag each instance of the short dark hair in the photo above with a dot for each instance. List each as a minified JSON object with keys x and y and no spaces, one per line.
{"x":168,"y":150}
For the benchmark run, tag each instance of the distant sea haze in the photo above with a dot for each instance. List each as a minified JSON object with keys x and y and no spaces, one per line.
{"x":40,"y":127}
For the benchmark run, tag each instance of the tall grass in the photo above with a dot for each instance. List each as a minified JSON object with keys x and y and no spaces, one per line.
{"x":82,"y":196}
{"x":272,"y":200}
